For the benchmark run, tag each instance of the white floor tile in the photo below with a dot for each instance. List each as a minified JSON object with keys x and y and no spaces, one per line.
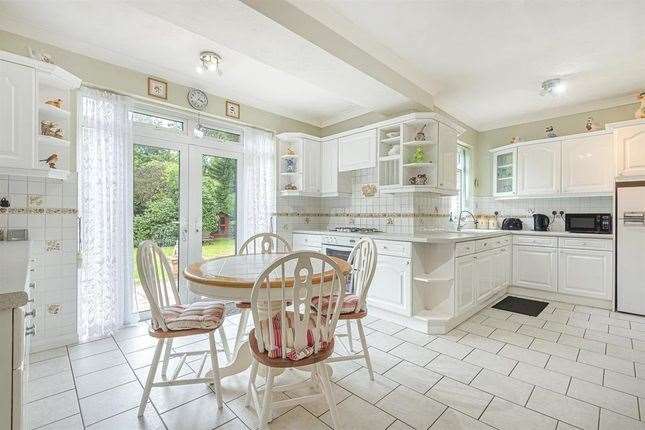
{"x":513,"y":338}
{"x":476,"y":328}
{"x":411,"y":407}
{"x":640,"y":370}
{"x":381,"y":361}
{"x":564,"y":426}
{"x":47,"y":354}
{"x":359,"y":383}
{"x":539,"y":333}
{"x":509,"y":416}
{"x":524,"y":355}
{"x":511,"y":389}
{"x":614,"y":339}
{"x":129,"y":420}
{"x":136,"y":343}
{"x":613,"y":421}
{"x":527,"y":320}
{"x":102,"y":380}
{"x":418,"y":378}
{"x":235,"y":424}
{"x":340,"y":369}
{"x":111,"y":402}
{"x":476,"y":341}
{"x":453,"y":349}
{"x":297,"y":418}
{"x":356,"y":413}
{"x":490,"y":361}
{"x":563,"y":328}
{"x":199,"y":414}
{"x":50,"y":385}
{"x":90,"y":348}
{"x":453,"y":368}
{"x":541,"y":377}
{"x":551,"y":348}
{"x":604,"y":397}
{"x":248,"y":415}
{"x":455,"y":420}
{"x":320,"y":406}
{"x":135,"y":330}
{"x":48,"y":367}
{"x":139,"y":359}
{"x":582,"y":343}
{"x":71,"y":423}
{"x":382,"y":341}
{"x":626,"y":353}
{"x":575,"y":369}
{"x":415,"y":337}
{"x":51,"y":409}
{"x":567,"y":409}
{"x":624,"y":383}
{"x":399,"y":425}
{"x":453,"y":335}
{"x":96,"y":362}
{"x":464,"y":398}
{"x":503,"y":324}
{"x":386,"y":326}
{"x":607,"y":362}
{"x":496,"y":313}
{"x":414,"y":353}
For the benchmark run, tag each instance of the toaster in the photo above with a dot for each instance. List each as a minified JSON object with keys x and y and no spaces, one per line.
{"x":512,"y":224}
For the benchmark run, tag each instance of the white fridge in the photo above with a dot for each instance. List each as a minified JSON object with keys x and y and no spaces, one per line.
{"x":630,"y":247}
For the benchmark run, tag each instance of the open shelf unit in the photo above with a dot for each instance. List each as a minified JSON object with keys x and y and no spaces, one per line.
{"x":389,"y":164}
{"x":290,"y":151}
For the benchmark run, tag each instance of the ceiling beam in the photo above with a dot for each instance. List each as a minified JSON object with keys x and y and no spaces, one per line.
{"x":312,"y":30}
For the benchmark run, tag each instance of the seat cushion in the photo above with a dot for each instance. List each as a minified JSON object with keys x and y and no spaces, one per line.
{"x":292,"y":352}
{"x":348,"y":306}
{"x":198,"y":315}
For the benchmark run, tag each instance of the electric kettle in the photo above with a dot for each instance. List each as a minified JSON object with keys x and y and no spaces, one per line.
{"x":540,"y":222}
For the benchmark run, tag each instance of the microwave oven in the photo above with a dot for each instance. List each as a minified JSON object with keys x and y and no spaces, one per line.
{"x":588,"y":223}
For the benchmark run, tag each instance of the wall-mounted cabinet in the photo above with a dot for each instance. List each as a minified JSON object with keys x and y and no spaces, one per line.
{"x":629,"y":143}
{"x":357,"y":151}
{"x":333,"y":183}
{"x":560,"y":167}
{"x":34,"y":117}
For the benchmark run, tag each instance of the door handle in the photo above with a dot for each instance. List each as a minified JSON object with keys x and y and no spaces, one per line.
{"x":634,"y":218}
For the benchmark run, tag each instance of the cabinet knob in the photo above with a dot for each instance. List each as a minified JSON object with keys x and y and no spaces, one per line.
{"x":32,"y":285}
{"x":30,"y":331}
{"x":31,"y":313}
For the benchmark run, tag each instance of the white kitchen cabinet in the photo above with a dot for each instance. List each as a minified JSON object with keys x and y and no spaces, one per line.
{"x":465,"y":282}
{"x":538,"y":169}
{"x":17,"y":115}
{"x":311,"y":180}
{"x":629,"y":141}
{"x":391,"y":285}
{"x":504,"y":173}
{"x":535,"y":267}
{"x":502,"y":268}
{"x":585,"y":273}
{"x":486,"y":278}
{"x":447,"y":158}
{"x":357,"y":151}
{"x":333,"y":183}
{"x":588,"y":165}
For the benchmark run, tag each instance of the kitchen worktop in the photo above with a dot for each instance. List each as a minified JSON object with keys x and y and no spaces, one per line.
{"x":14,"y":265}
{"x":444,"y":236}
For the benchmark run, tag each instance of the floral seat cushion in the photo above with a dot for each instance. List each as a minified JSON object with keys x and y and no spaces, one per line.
{"x":292,"y":351}
{"x":349,"y":304}
{"x":198,"y":315}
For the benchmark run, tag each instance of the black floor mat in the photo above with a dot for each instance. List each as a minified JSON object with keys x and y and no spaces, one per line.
{"x":521,"y":306}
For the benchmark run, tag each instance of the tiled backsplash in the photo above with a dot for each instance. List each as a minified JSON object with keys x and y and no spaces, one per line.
{"x":48,"y":209}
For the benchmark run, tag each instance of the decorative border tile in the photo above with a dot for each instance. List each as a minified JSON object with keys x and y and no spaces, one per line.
{"x":61,"y":211}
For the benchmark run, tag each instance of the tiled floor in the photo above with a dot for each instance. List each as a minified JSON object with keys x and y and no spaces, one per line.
{"x":571,"y":367}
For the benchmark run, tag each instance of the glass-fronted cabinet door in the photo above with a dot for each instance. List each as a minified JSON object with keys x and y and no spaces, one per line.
{"x":504,"y":173}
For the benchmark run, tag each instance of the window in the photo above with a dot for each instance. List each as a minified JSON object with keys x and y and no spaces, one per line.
{"x":157,"y":121}
{"x":221,"y":135}
{"x":463,"y":164}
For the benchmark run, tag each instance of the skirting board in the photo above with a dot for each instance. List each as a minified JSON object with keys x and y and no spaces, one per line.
{"x":53,"y":342}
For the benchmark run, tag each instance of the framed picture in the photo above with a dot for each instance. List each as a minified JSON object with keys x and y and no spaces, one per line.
{"x":232,"y":109}
{"x":157,"y":88}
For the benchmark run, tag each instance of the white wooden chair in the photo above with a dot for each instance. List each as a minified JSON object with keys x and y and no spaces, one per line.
{"x":294,"y":338}
{"x":171,"y":319}
{"x":263,"y":243}
{"x":363,"y":261}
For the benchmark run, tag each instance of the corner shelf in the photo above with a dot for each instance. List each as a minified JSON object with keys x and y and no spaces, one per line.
{"x":53,"y":141}
{"x":46,"y":109}
{"x":427,"y":164}
{"x":289,"y":156}
{"x":418,"y":142}
{"x":395,"y":139}
{"x":289,"y":173}
{"x":394,"y":157}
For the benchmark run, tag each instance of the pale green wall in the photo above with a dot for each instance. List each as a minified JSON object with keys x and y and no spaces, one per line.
{"x":570,"y":124}
{"x":129,"y":81}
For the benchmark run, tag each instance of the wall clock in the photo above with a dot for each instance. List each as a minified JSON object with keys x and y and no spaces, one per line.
{"x":197,"y":99}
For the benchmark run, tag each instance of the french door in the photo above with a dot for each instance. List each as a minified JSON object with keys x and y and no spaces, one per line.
{"x":186,"y":201}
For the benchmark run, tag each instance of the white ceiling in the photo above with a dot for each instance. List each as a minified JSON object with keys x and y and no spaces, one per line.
{"x":484,"y":60}
{"x":265,"y":65}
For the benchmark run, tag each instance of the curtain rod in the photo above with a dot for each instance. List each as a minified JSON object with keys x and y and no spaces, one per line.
{"x":175,"y":107}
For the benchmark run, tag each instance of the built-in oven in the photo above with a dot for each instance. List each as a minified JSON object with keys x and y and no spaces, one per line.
{"x":340,"y":247}
{"x":588,"y":223}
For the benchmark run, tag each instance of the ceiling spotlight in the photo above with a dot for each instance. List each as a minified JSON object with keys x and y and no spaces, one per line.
{"x":553,"y":86}
{"x":209,"y":62}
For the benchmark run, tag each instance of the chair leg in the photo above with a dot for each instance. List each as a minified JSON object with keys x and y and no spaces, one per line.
{"x":151,"y":377}
{"x":329,"y":394}
{"x":251,"y":385}
{"x":166,"y":359}
{"x":366,"y":351}
{"x":350,"y":341}
{"x":215,"y":369}
{"x":227,"y":350}
{"x":266,"y":413}
{"x":241,"y":328}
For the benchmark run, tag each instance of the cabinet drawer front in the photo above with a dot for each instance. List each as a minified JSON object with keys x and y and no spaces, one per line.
{"x":301,"y":241}
{"x":536,"y":241}
{"x":465,"y":248}
{"x":396,"y":249}
{"x":494,"y":242}
{"x":584,"y":243}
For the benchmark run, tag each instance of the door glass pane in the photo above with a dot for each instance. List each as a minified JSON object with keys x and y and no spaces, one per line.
{"x":505,"y":159}
{"x":505,"y":185}
{"x":505,"y":172}
{"x":156,"y":207}
{"x":219,"y":206}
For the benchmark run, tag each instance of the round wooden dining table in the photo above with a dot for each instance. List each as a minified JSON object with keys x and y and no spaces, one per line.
{"x":232,"y":278}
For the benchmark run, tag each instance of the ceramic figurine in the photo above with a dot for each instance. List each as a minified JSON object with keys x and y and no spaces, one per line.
{"x":640,"y":112}
{"x":368,"y":190}
{"x":422,"y":179}
{"x":395,"y":149}
{"x":516,"y":139}
{"x":51,"y":160}
{"x":50,"y":128}
{"x":419,"y":156}
{"x":4,"y":203}
{"x":590,"y":125}
{"x":290,"y":187}
{"x":413,"y":180}
{"x":57,"y":103}
{"x":291,"y":151}
{"x":39,"y":55}
{"x":420,"y":135}
{"x":550,"y":132}
{"x":290,"y":166}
